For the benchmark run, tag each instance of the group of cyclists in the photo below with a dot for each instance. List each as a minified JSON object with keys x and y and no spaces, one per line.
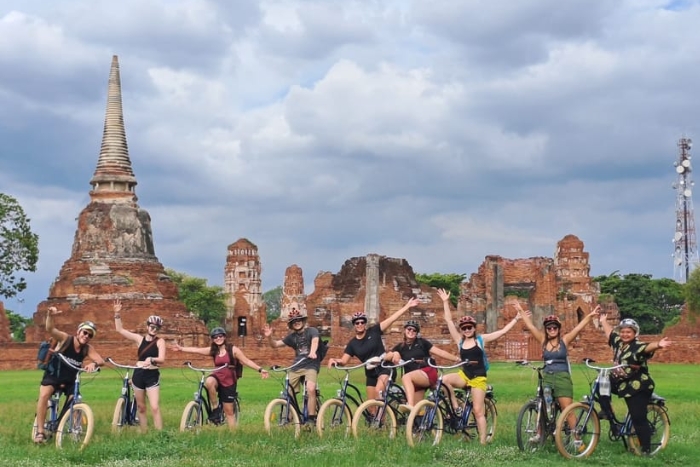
{"x":635,"y":385}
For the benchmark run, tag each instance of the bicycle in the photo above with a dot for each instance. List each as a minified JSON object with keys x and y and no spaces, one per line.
{"x":125,"y":413}
{"x":334,"y":415}
{"x":382,"y":415}
{"x":535,"y":422}
{"x":284,"y":412}
{"x":75,"y":422}
{"x":581,"y":440}
{"x":434,"y":415}
{"x":193,"y":416}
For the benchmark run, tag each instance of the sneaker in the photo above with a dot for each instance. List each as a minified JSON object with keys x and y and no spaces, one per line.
{"x":405,"y":408}
{"x":215,"y":415}
{"x":534,"y":439}
{"x":458,"y":411}
{"x":602,"y":415}
{"x":579,"y":445}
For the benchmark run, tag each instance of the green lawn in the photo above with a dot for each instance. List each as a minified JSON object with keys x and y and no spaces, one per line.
{"x":251,"y":446}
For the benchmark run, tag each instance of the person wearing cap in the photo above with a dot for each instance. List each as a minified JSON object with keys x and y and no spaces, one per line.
{"x":418,"y":375}
{"x":222,"y":384}
{"x":557,"y":369}
{"x":368,"y":344}
{"x":58,"y":375}
{"x":636,"y":386}
{"x":471,"y":351}
{"x":305,"y":341}
{"x":146,"y":379}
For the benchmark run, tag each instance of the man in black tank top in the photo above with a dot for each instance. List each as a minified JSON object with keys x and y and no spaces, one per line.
{"x":58,"y":375}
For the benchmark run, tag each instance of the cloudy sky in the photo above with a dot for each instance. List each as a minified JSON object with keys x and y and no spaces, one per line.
{"x":436,"y":131}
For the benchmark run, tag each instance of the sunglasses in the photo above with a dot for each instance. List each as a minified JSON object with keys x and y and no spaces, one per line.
{"x":552,"y":328}
{"x":411,"y":329}
{"x":153,"y":326}
{"x":88,"y":334}
{"x":467,"y":328}
{"x":359,"y":322}
{"x":218,"y":336}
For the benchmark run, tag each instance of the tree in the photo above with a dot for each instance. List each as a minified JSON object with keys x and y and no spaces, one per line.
{"x":18,"y":324}
{"x":273,"y":303}
{"x":449,"y":282}
{"x":692,"y":292}
{"x":651,"y":302}
{"x":19,"y":246}
{"x":208,"y":303}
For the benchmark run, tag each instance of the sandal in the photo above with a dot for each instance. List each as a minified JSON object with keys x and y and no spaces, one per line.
{"x":39,"y":438}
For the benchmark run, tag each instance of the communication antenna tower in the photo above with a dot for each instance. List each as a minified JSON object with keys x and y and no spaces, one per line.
{"x":685,"y":248}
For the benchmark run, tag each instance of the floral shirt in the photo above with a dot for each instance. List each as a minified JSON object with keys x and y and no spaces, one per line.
{"x":633,"y":354}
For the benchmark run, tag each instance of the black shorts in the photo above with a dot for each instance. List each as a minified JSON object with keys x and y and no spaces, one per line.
{"x":146,"y":379}
{"x":58,"y":384}
{"x":227,"y":394}
{"x":372,"y":376}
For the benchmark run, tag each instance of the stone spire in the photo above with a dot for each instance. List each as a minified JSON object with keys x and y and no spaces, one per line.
{"x":114,"y":179}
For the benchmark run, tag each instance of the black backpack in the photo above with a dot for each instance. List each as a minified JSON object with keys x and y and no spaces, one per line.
{"x":322,"y":349}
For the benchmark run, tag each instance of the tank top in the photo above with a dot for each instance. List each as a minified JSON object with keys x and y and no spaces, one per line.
{"x":67,"y":373}
{"x":226,"y":376}
{"x":556,"y":361}
{"x":475,"y":354}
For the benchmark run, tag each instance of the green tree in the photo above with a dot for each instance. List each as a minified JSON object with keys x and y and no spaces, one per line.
{"x":18,"y":324}
{"x":207,"y":302}
{"x":653,"y":303}
{"x":273,"y":302}
{"x":449,"y":282}
{"x":692,"y":292}
{"x":19,"y":246}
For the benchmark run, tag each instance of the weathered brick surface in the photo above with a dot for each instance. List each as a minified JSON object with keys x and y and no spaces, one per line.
{"x":5,"y":335}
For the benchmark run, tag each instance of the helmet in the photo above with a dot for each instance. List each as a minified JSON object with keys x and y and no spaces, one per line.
{"x":216,"y":331}
{"x":88,"y":326}
{"x":358,"y":315}
{"x":629,"y":323}
{"x":464,"y":320}
{"x":551,"y":319}
{"x":294,"y":316}
{"x":155,"y":320}
{"x":412,"y":323}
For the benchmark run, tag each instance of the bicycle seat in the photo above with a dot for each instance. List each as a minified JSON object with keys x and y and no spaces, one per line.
{"x":656,"y":398}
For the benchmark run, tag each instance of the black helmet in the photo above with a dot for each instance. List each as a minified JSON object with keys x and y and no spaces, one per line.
{"x":216,"y":331}
{"x":412,"y":323}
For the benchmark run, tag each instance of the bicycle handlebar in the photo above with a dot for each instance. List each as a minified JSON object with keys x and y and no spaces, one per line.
{"x":603,"y":369}
{"x":78,"y":368}
{"x":119,"y":365}
{"x":280,"y":369}
{"x":450,"y":367}
{"x":347,"y":368}
{"x":204,"y":370}
{"x":398,"y":365}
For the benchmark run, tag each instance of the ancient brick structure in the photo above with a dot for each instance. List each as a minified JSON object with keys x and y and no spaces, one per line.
{"x":293,"y":291}
{"x":243,"y":286}
{"x":5,"y":335}
{"x":113,"y":255}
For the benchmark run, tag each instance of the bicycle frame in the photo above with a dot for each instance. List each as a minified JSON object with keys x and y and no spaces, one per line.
{"x":127,"y":414}
{"x":544,"y":425}
{"x":338,"y":405}
{"x":289,"y":394}
{"x":202,"y":403}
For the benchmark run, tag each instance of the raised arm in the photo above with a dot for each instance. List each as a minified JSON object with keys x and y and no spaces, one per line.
{"x":117,"y":308}
{"x":238,"y":353}
{"x":571,"y":335}
{"x":274,"y":343}
{"x":607,"y":328}
{"x":492,"y":336}
{"x":661,"y":344}
{"x":445,"y":297}
{"x":198,"y":350}
{"x":436,"y":351}
{"x":60,"y":336}
{"x":526,"y":316}
{"x":384,"y":325}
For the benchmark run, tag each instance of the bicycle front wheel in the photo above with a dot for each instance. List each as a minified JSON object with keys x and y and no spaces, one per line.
{"x":334,"y":419}
{"x":491,"y":418}
{"x":374,"y":418}
{"x":192,"y":417}
{"x":424,"y":424}
{"x":578,"y":431}
{"x":281,"y":416}
{"x":76,"y":426}
{"x":660,"y":427}
{"x":119,"y":418}
{"x":530,"y":429}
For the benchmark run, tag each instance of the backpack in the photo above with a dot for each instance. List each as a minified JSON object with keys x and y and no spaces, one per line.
{"x":480,"y":343}
{"x":46,"y":350}
{"x":50,"y":361}
{"x":237,"y":365}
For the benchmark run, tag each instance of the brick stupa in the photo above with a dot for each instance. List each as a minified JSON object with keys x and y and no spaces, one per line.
{"x":113,"y":255}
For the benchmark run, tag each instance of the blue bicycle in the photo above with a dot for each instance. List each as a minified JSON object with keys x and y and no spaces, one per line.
{"x":75,"y":422}
{"x":200,"y":411}
{"x":284,"y":412}
{"x":335,"y":415}
{"x":125,"y":413}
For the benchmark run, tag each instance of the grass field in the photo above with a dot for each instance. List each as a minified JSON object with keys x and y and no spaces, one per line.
{"x":251,"y":446}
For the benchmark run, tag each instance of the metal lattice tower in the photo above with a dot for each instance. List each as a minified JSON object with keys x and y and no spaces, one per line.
{"x":685,"y":248}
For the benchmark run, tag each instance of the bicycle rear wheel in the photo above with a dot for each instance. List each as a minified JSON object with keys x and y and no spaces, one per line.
{"x":192,"y":417}
{"x":660,"y":427}
{"x":119,"y":418}
{"x":424,"y":424}
{"x":281,"y":416}
{"x":581,"y":439}
{"x":374,"y":418}
{"x":334,"y":419}
{"x":76,"y":427}
{"x":530,"y":430}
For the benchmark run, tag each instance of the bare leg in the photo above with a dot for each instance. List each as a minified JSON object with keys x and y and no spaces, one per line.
{"x":45,"y":393}
{"x":140,"y":396}
{"x":154,"y":401}
{"x":411,"y":381}
{"x":230,"y":416}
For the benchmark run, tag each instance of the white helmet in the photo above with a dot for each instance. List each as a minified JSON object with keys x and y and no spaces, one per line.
{"x":629,"y":323}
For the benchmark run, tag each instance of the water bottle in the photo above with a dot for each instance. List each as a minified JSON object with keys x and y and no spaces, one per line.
{"x":548,"y":400}
{"x":604,"y":385}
